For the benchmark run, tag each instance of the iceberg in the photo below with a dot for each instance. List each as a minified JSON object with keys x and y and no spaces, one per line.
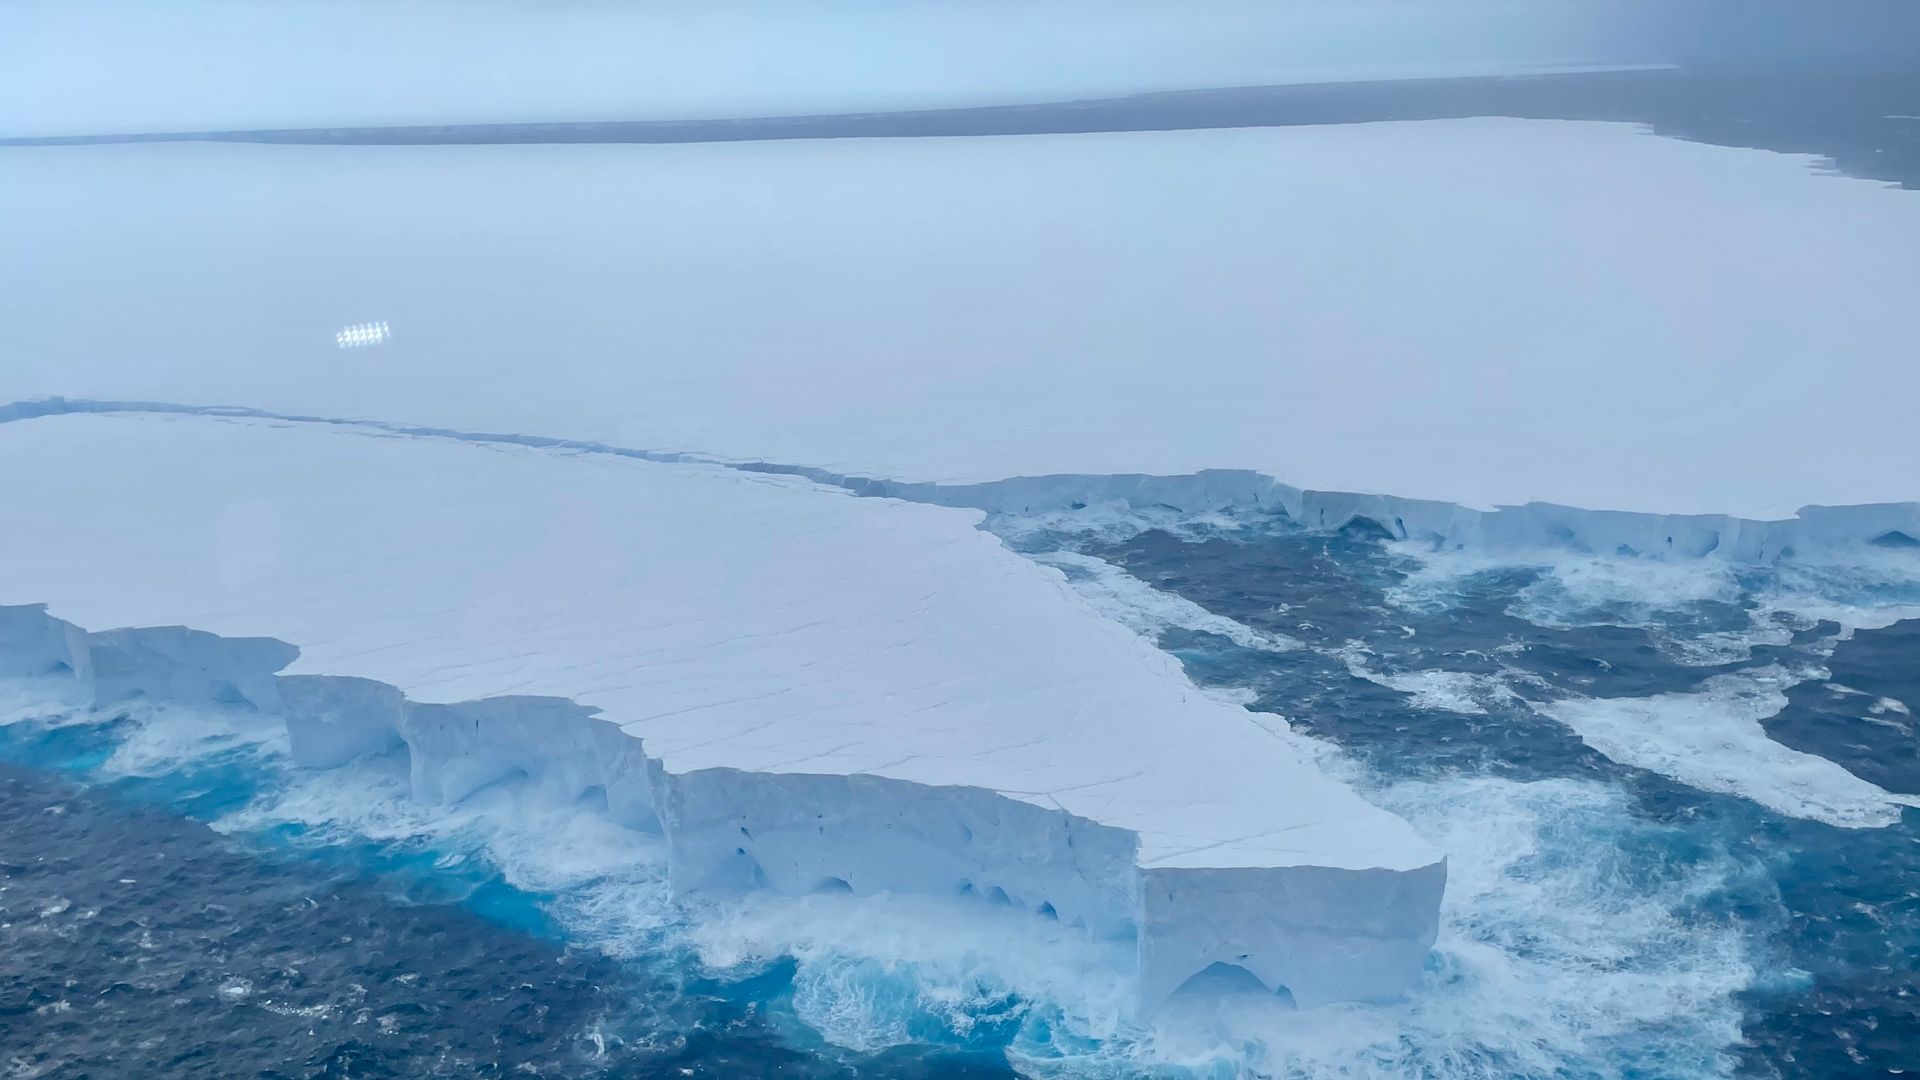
{"x":799,"y":688}
{"x":1113,"y":315}
{"x":585,"y":509}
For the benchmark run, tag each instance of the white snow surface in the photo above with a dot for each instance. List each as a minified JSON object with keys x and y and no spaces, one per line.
{"x":1481,"y":312}
{"x":826,"y":688}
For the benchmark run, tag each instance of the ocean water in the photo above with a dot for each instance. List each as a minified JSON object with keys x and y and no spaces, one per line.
{"x":1677,"y":802}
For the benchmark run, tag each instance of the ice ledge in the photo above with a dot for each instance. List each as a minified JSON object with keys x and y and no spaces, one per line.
{"x":1322,"y":933}
{"x":1443,"y":524}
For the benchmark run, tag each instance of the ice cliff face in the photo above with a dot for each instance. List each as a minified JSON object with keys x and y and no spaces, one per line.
{"x":800,"y":689}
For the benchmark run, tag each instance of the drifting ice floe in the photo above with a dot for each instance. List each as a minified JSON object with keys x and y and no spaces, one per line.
{"x":800,"y":689}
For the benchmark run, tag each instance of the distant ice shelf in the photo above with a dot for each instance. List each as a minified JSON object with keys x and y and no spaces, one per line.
{"x":800,"y":688}
{"x":354,"y":62}
{"x":1474,"y":313}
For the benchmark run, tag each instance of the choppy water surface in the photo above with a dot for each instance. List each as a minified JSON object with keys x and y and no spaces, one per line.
{"x":1675,"y":800}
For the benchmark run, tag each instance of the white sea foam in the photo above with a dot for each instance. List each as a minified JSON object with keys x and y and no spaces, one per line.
{"x":1115,"y":521}
{"x":1859,"y":589}
{"x":166,"y":738}
{"x":1625,"y":591}
{"x":1713,"y":740}
{"x":1867,"y":590}
{"x":1664,"y":598}
{"x":873,"y":970}
{"x":49,"y":702}
{"x":1149,"y":611}
{"x":1468,"y":692}
{"x":608,"y":882}
{"x":1465,"y":692}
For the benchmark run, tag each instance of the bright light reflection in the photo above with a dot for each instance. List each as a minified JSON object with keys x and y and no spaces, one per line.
{"x":360,"y":335}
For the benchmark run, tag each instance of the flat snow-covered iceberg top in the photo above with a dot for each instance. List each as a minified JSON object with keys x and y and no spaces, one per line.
{"x":800,"y":687}
{"x":1482,"y":312}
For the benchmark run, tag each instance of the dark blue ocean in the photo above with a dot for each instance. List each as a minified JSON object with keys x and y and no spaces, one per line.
{"x":1674,"y":797}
